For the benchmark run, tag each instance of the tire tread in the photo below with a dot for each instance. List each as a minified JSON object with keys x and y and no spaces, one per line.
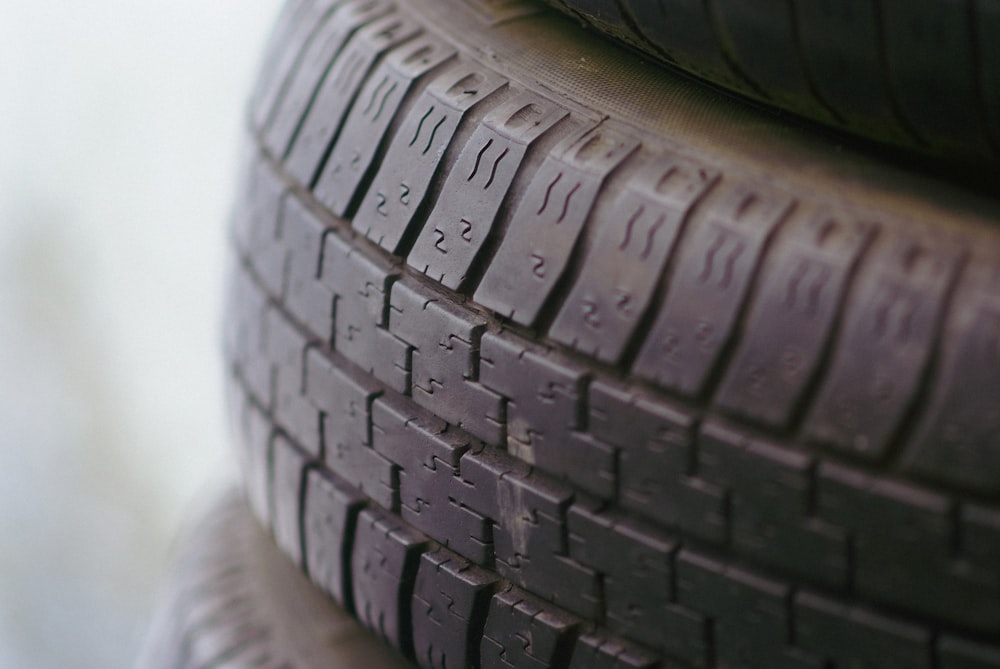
{"x":461,"y":408}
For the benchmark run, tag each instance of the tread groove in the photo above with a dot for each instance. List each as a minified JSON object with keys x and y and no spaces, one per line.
{"x":809,"y":392}
{"x":645,"y":323}
{"x":925,"y":384}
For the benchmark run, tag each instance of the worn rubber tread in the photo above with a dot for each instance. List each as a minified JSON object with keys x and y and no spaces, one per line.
{"x":512,"y":444}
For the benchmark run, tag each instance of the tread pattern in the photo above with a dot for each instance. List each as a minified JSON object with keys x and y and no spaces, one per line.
{"x":449,"y":598}
{"x":468,"y":457}
{"x":917,"y":73}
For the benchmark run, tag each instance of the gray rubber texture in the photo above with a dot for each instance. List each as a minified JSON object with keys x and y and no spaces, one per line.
{"x":547,"y":360}
{"x":918,"y":73}
{"x":234,"y":601}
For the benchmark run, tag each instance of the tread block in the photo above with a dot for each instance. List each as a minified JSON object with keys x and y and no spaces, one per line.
{"x":543,"y":420}
{"x":285,"y":51}
{"x":529,"y":530}
{"x":256,"y":229}
{"x":415,"y":153}
{"x":531,"y":548}
{"x":600,"y":651}
{"x":639,"y":430}
{"x":337,"y":92}
{"x":543,"y":233}
{"x":635,"y":564}
{"x":257,"y":203}
{"x":627,"y":257}
{"x":450,"y":602}
{"x":445,"y":341}
{"x":892,"y":520}
{"x":315,"y":60}
{"x":481,"y":472}
{"x":955,"y":653}
{"x":256,"y":369}
{"x":368,"y":122}
{"x":476,"y":186}
{"x":245,"y":338}
{"x":655,"y":444}
{"x":361,"y":300}
{"x":750,"y":616}
{"x":884,"y":345}
{"x":305,"y":296}
{"x":715,"y":269}
{"x":428,"y":455}
{"x":591,"y":465}
{"x":415,"y":439}
{"x":384,"y":565}
{"x":855,"y":637}
{"x":790,"y":322}
{"x":957,"y":438}
{"x":329,"y":518}
{"x":284,"y":347}
{"x":292,"y":410}
{"x":290,"y":20}
{"x":523,"y":631}
{"x":346,"y":406}
{"x":254,"y":453}
{"x":543,"y":401}
{"x":287,"y":482}
{"x":770,"y":491}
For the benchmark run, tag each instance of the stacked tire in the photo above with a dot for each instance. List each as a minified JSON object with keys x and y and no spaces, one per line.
{"x":544,"y":355}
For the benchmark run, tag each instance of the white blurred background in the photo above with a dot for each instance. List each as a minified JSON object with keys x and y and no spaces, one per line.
{"x":119,"y":123}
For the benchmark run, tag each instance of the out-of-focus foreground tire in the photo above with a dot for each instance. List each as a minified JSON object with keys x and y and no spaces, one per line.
{"x":918,"y":73}
{"x":235,"y":602}
{"x":539,"y":356}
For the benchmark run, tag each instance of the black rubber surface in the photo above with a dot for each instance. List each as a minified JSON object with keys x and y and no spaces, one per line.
{"x":919,"y":73}
{"x":235,"y":602}
{"x":540,"y":359}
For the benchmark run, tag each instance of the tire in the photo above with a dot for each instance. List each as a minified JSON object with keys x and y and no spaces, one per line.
{"x":235,"y":602}
{"x":690,"y":387}
{"x":924,"y":74}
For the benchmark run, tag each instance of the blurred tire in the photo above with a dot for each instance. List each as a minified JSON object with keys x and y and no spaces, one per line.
{"x":918,"y":73}
{"x":235,"y":602}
